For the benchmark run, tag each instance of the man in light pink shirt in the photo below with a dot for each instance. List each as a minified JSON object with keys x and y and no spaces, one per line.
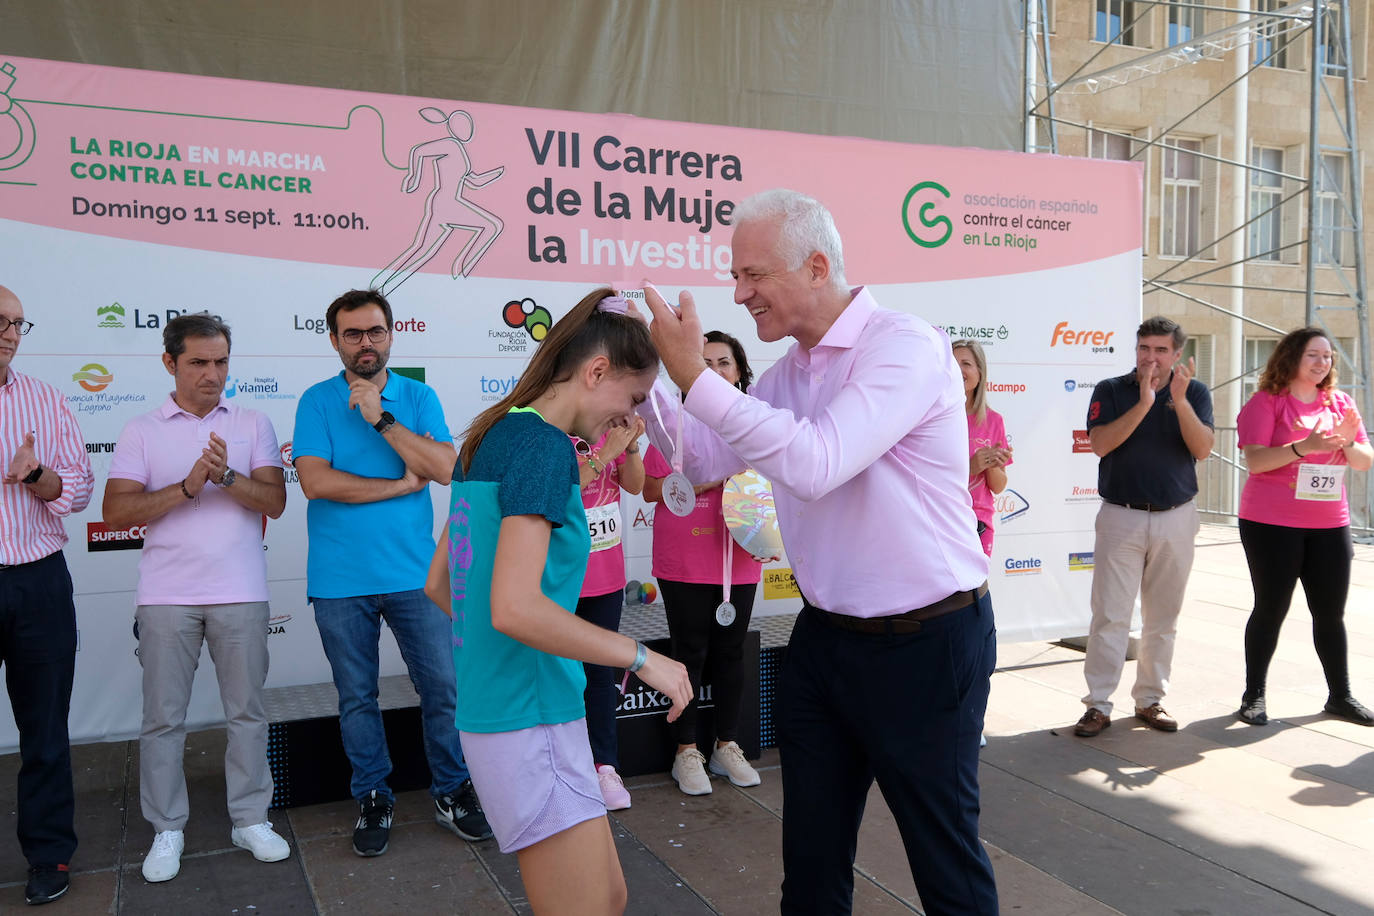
{"x":861,"y":428}
{"x":200,"y":472}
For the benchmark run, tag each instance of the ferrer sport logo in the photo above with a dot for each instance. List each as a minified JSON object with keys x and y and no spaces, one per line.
{"x":1096,"y":341}
{"x":100,"y":537}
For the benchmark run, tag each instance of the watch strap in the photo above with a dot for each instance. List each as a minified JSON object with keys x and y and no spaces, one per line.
{"x":32,"y":476}
{"x":384,"y":422}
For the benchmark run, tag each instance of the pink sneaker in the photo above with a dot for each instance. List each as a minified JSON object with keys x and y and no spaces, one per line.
{"x":613,"y":791}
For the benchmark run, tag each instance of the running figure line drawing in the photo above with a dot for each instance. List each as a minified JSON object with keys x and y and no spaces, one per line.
{"x":443,"y":213}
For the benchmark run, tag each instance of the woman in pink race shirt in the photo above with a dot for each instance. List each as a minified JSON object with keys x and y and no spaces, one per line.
{"x":690,"y":564}
{"x":611,"y":465}
{"x":1299,"y":435}
{"x":989,"y":453}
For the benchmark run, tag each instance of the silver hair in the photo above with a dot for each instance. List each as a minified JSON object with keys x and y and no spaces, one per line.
{"x":806,"y":227}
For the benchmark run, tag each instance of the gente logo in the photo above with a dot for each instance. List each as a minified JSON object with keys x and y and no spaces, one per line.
{"x":923,"y":215}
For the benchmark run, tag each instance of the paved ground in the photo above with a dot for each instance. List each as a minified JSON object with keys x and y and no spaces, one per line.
{"x":1219,"y":818}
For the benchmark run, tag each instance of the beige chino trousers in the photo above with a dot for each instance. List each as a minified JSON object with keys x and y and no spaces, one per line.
{"x":1150,"y":553}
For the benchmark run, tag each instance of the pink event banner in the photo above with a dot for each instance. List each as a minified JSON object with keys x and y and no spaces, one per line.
{"x":405,"y":184}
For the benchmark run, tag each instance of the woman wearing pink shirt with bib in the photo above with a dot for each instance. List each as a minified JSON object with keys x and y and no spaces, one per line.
{"x":1299,"y":435}
{"x":692,"y":557}
{"x":989,"y":453}
{"x":612,"y":465}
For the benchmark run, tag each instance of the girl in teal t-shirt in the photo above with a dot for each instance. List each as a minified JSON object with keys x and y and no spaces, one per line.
{"x":510,"y":569}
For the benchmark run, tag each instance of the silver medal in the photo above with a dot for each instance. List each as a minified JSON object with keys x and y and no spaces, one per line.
{"x":678,"y":495}
{"x":725,"y":614}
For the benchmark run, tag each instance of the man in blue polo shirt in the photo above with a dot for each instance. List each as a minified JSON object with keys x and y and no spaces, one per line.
{"x":366,"y":446}
{"x":1150,"y":428}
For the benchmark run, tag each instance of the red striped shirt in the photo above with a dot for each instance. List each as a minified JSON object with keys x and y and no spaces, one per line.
{"x":31,"y":528}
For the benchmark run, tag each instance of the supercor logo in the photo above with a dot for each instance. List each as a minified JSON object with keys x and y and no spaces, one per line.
{"x":1097,"y":341}
{"x":1081,"y":443}
{"x":99,"y":537}
{"x":1026,"y":566}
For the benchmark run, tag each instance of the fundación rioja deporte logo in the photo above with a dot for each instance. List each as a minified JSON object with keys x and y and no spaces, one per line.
{"x":923,"y":198}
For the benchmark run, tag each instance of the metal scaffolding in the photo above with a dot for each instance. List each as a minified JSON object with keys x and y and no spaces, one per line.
{"x":1331,"y":181}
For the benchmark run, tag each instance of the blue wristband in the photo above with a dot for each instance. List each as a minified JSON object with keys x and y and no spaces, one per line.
{"x":641,"y":656}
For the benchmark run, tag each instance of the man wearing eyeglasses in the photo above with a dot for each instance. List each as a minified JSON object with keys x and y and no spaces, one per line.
{"x":47,"y":477}
{"x":366,"y":445}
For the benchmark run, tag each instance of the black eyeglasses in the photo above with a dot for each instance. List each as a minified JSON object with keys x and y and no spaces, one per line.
{"x":23,"y":326}
{"x":354,"y":336}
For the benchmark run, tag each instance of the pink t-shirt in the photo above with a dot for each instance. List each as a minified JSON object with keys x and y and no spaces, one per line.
{"x":601,"y":499}
{"x":691,"y":548}
{"x":207,"y":550}
{"x":981,"y":435}
{"x":1268,"y":419}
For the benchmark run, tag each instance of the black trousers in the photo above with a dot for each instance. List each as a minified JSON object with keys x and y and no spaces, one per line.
{"x":906,"y":710}
{"x":704,"y":646}
{"x":38,"y":652}
{"x":602,"y":694}
{"x":1279,"y":557}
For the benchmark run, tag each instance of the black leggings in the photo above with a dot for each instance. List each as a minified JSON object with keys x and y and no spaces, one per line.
{"x":1279,"y":557}
{"x":699,"y":642}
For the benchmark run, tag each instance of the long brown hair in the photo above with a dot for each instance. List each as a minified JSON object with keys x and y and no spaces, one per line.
{"x":576,"y":337}
{"x":1287,"y":356}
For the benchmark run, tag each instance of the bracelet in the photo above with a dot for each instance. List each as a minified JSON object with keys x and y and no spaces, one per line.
{"x":641,"y":656}
{"x":633,"y":451}
{"x":185,"y":492}
{"x":1294,"y":447}
{"x":593,"y":464}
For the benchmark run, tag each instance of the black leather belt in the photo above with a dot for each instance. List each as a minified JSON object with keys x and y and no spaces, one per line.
{"x":906,"y":622}
{"x":1143,"y":507}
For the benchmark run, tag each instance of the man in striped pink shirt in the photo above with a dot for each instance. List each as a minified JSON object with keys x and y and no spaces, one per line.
{"x":47,"y":477}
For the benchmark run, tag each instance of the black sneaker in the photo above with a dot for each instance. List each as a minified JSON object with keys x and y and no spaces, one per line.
{"x":1349,"y":708}
{"x":46,"y":884}
{"x":373,"y":830}
{"x":462,"y":813}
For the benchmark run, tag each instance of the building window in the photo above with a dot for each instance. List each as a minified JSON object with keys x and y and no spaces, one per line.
{"x":1185,"y":22}
{"x":1180,"y":222}
{"x":1257,"y":353}
{"x":1115,"y":144}
{"x":1266,"y":190}
{"x":1115,"y":22}
{"x":1271,"y":41}
{"x":1199,"y":348}
{"x":1330,"y":56}
{"x":1328,"y":235}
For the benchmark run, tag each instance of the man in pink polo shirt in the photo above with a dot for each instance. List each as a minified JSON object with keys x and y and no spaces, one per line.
{"x":200,"y":472}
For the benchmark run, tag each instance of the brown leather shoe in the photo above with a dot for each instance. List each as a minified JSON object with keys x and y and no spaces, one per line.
{"x":1155,"y":717}
{"x":1092,"y":723}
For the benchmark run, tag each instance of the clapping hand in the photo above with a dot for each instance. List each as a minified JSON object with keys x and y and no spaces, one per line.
{"x":24,"y":461}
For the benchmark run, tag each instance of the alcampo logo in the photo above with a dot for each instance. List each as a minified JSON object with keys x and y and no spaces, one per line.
{"x":924,"y":194}
{"x":526,"y":313}
{"x":110,"y":316}
{"x":93,"y":377}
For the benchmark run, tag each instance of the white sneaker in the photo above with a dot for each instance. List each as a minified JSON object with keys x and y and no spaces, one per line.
{"x":262,"y":841}
{"x":164,"y":860}
{"x":729,"y":761}
{"x":689,"y":769}
{"x":613,"y":791}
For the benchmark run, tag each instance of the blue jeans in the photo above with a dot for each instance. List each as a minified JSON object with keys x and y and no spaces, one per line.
{"x":349,"y":630}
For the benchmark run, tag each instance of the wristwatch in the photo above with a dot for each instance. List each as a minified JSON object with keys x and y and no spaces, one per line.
{"x":229,"y":477}
{"x":32,"y":476}
{"x":384,"y":422}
